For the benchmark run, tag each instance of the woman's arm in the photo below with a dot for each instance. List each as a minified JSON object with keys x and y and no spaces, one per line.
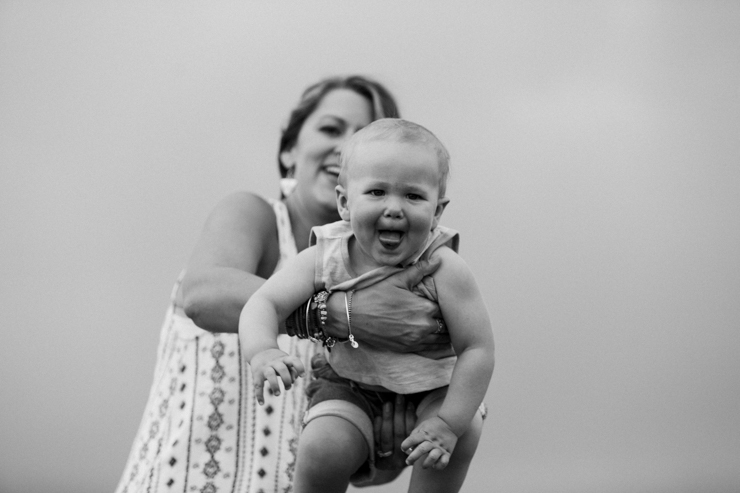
{"x":388,"y":315}
{"x":236,"y":251}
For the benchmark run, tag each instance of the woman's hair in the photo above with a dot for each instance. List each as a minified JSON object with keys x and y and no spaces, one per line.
{"x":383,"y":106}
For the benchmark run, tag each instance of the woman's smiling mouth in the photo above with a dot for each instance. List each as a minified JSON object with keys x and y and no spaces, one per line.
{"x":332,"y":169}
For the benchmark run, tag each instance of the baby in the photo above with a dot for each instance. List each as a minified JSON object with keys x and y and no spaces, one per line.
{"x":391,"y":195}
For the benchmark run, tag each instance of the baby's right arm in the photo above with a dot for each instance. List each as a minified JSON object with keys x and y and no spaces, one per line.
{"x":258,"y":323}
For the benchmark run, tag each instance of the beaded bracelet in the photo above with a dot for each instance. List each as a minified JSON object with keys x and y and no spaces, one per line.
{"x":316,"y":333}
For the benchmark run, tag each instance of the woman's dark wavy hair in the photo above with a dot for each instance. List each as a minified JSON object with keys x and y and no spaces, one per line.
{"x":382,"y":102}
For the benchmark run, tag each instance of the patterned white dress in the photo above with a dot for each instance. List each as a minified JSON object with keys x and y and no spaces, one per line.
{"x":202,"y":429}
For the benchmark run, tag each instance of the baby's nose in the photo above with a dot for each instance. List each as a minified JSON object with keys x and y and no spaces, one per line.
{"x":393,"y":209}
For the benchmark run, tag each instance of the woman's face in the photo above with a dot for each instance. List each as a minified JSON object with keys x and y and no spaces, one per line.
{"x":341,"y":113}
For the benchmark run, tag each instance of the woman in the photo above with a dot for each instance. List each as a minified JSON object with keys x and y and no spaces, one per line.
{"x":202,"y":429}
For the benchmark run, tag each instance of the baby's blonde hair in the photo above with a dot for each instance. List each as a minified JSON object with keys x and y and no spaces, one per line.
{"x":396,"y":130}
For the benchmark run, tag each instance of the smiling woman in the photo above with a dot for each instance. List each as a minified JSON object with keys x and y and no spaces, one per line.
{"x":202,"y":429}
{"x":340,"y":114}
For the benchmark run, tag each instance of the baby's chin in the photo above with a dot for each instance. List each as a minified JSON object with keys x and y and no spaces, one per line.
{"x":401,"y":258}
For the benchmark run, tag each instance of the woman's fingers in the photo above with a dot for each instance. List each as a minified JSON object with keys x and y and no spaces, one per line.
{"x":410,"y":420}
{"x":399,"y":422}
{"x":395,"y":422}
{"x":409,"y":278}
{"x":386,"y":432}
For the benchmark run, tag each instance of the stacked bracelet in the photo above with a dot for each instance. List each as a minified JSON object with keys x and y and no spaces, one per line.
{"x":309,"y":320}
{"x":316,"y":332}
{"x":303,"y":322}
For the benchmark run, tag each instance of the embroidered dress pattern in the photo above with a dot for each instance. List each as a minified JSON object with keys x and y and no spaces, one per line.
{"x":202,"y":430}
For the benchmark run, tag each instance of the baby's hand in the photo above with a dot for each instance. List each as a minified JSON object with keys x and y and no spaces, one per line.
{"x":272,"y":365}
{"x":433,"y":439}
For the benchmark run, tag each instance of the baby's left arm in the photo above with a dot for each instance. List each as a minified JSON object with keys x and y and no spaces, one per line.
{"x":467,"y":319}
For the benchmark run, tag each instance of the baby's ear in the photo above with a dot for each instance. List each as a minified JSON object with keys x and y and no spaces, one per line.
{"x":441,"y":204}
{"x":342,"y":202}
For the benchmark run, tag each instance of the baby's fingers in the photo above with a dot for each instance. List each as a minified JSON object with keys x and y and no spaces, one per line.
{"x":296,"y":366}
{"x":290,"y":369}
{"x":271,"y":376}
{"x":259,"y":382}
{"x":437,"y":459}
{"x":285,"y":373}
{"x":418,"y":452}
{"x":411,"y":442}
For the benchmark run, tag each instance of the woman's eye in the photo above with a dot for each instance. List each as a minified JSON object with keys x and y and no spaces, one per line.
{"x":331,"y":130}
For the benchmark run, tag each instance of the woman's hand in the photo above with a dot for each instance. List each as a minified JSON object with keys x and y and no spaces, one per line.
{"x":397,"y":423}
{"x":390,"y":316}
{"x":391,"y":430}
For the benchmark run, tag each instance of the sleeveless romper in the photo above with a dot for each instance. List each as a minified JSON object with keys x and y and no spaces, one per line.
{"x":202,"y":430}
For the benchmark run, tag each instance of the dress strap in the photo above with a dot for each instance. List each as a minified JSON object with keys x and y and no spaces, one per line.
{"x":285,"y":232}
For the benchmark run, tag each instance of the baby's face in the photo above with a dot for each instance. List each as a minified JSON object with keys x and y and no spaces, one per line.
{"x":392,"y":201}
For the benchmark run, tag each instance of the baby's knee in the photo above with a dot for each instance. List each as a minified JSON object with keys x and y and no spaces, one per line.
{"x":331,"y":445}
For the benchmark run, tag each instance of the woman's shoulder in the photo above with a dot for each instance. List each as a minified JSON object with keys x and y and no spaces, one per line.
{"x":243,"y":198}
{"x":244,"y":209}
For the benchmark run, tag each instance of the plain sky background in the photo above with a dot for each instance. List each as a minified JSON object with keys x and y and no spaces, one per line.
{"x":595,"y":182}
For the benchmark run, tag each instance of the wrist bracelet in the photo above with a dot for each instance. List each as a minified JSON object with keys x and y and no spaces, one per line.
{"x":348,"y":309}
{"x":295,"y":324}
{"x":302,"y":322}
{"x":317,"y":333}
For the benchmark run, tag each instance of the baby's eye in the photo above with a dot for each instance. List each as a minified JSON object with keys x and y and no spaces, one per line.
{"x":414,"y":196}
{"x":376,"y":193}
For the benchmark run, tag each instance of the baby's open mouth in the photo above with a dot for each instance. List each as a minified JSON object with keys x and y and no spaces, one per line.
{"x":390,"y":239}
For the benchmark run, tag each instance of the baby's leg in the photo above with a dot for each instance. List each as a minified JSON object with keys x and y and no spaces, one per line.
{"x":330,"y":450}
{"x":450,"y":479}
